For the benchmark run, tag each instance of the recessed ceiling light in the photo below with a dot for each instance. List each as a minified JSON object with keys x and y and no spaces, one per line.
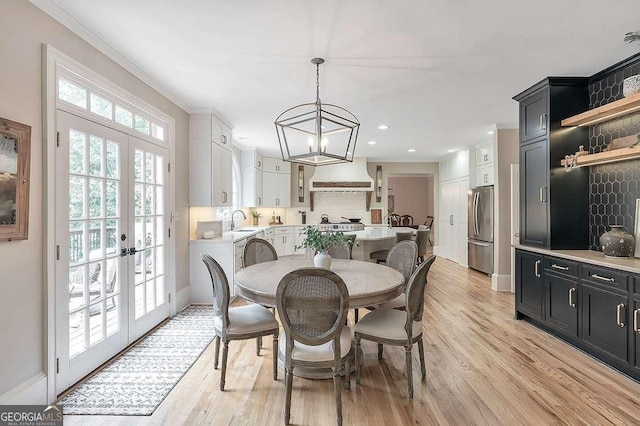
{"x":383,"y":127}
{"x":372,"y":142}
{"x":411,"y":150}
{"x":243,"y":138}
{"x":490,"y":132}
{"x":452,"y":150}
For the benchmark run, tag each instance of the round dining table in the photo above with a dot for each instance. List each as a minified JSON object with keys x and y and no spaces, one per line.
{"x":368,"y":283}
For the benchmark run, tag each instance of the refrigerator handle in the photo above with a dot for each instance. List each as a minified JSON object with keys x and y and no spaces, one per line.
{"x":476,"y":227}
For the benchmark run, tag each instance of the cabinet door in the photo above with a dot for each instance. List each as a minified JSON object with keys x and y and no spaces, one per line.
{"x":284,"y":190}
{"x":604,"y":320}
{"x":226,"y":178}
{"x":289,"y":244}
{"x":271,"y":165}
{"x":259,"y":199}
{"x":200,"y":167}
{"x":529,"y":284}
{"x":484,"y":175}
{"x":562,"y":302}
{"x":216,"y":131}
{"x":534,"y":117}
{"x":217,"y":170}
{"x":484,"y":155}
{"x":533,"y":194}
{"x":270,"y":189}
{"x":635,"y":322}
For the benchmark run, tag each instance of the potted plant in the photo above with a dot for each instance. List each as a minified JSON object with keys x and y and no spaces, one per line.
{"x":255,"y":215}
{"x":321,"y":242}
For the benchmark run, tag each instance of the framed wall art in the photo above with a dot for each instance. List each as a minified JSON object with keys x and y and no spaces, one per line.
{"x":15,"y":159}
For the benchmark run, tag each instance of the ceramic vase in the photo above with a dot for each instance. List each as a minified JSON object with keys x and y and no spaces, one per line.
{"x":617,"y":242}
{"x":255,"y":221}
{"x":322,"y":260}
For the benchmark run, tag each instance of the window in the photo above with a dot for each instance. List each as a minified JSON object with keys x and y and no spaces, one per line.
{"x":86,"y":98}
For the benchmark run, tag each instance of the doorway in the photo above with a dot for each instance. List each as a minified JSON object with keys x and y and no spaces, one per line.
{"x":413,"y":195}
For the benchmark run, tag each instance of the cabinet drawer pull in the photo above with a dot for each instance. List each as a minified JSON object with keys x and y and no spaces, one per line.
{"x":562,"y":268}
{"x":450,"y":219}
{"x":619,"y":315}
{"x":607,"y":279}
{"x":571,"y":302}
{"x":636,"y":313}
{"x":536,"y":269}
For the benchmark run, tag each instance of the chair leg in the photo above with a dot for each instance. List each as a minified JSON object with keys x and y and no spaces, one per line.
{"x":287,"y":401}
{"x":225,"y":350}
{"x":380,"y":350}
{"x":275,"y":356}
{"x":215,"y":362}
{"x":356,"y":315}
{"x":357,"y":360}
{"x":338,"y":392}
{"x":423,"y":368}
{"x":347,"y":373}
{"x":409,"y":372}
{"x":258,"y":345}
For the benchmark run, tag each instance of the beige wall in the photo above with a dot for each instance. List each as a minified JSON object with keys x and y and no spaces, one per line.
{"x":411,"y":196}
{"x":24,"y":30}
{"x":506,"y":152}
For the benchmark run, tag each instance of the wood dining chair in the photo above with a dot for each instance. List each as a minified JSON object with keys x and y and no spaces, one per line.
{"x":429,"y":223}
{"x":398,"y":328}
{"x":406,"y":220}
{"x":312,"y":306}
{"x":237,"y":323}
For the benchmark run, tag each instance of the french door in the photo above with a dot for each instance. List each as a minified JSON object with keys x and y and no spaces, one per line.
{"x":111,"y":199}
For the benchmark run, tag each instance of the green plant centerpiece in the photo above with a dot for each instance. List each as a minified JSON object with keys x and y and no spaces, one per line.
{"x":321,"y":242}
{"x":255,"y":215}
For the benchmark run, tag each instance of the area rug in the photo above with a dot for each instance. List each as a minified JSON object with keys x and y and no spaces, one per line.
{"x":139,"y":380}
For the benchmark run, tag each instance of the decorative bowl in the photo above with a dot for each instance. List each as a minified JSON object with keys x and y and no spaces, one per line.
{"x":631,"y":85}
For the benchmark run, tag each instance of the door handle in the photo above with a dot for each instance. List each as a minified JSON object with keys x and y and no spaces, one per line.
{"x":636,"y":313}
{"x":536,"y":270}
{"x":618,"y":315}
{"x":543,"y":122}
{"x":476,"y":243}
{"x":543,"y":194}
{"x":132,"y":251}
{"x":562,"y":268}
{"x":571,"y":302}
{"x":450,"y":219}
{"x":124,"y":252}
{"x":259,"y":201}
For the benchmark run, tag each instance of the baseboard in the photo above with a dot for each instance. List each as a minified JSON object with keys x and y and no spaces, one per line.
{"x":32,"y":391}
{"x":183,"y":298}
{"x":501,"y":282}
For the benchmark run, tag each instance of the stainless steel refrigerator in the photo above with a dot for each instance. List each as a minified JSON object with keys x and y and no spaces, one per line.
{"x":480,"y":228}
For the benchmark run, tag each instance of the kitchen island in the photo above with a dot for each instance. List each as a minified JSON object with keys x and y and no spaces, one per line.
{"x":374,"y":239}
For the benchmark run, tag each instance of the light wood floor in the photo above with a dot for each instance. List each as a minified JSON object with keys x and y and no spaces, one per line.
{"x":483,"y":367}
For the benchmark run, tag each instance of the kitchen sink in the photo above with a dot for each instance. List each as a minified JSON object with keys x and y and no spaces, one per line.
{"x":245,"y":230}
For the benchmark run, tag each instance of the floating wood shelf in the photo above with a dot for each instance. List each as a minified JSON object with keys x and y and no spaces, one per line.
{"x":605,"y":112}
{"x":607,"y":156}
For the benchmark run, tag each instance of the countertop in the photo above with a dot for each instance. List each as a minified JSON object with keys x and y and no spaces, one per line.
{"x":378,"y":233}
{"x":232,"y":236}
{"x":631,"y":264}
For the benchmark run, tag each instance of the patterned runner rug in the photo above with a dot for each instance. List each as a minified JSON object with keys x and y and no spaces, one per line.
{"x":139,"y":380}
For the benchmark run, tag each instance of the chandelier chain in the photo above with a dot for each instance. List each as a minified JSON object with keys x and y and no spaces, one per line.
{"x":317,"y":83}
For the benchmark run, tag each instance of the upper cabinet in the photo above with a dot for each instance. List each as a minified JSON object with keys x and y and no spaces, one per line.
{"x":454,"y":167}
{"x":252,"y":184}
{"x":554,"y":205}
{"x":210,"y":162}
{"x":484,"y":165}
{"x":276,"y":182}
{"x":276,"y":165}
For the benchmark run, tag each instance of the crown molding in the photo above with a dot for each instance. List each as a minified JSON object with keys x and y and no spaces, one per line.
{"x":69,"y":22}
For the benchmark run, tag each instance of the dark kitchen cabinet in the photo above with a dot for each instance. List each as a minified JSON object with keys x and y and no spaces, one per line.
{"x":554,"y":205}
{"x":529,"y":284}
{"x":561,"y":302}
{"x":534,"y":116}
{"x":635,"y":328}
{"x":533,"y":194}
{"x":604,"y":320}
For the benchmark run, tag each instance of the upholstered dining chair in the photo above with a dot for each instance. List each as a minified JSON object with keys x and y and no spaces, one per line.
{"x":312,"y":305}
{"x":343,"y":251}
{"x":237,"y":323}
{"x":398,"y":328}
{"x":402,"y":258}
{"x":429,"y":223}
{"x":422,"y":239}
{"x":380,"y":256}
{"x":258,"y":250}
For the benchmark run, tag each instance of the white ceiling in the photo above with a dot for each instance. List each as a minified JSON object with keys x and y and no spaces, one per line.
{"x":439,"y":72}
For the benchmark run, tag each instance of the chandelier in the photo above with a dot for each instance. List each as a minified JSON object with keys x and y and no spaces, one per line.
{"x":317,"y":133}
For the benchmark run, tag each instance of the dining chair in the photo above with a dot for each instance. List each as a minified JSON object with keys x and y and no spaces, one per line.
{"x":237,"y":323}
{"x":312,"y":305}
{"x":343,"y":251}
{"x":422,"y":239}
{"x":398,"y":328}
{"x":406,"y":220}
{"x":380,"y":256}
{"x":257,"y":250}
{"x":429,"y":223}
{"x":402,"y":258}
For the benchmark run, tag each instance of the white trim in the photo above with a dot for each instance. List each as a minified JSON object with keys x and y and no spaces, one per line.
{"x":60,"y":15}
{"x":32,"y":391}
{"x":183,"y":298}
{"x":51,"y":60}
{"x":501,"y":282}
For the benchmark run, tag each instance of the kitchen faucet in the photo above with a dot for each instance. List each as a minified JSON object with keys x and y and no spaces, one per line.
{"x":388,"y":219}
{"x":244,"y":217}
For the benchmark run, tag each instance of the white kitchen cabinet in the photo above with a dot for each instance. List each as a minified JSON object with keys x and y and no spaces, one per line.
{"x":484,"y":154}
{"x":298,"y":237}
{"x":200,"y":280}
{"x":452,"y":221}
{"x":455,"y":166}
{"x":210,"y":163}
{"x":252,"y":183}
{"x":484,"y":175}
{"x":276,"y":165}
{"x":284,"y":241}
{"x":268,"y":235}
{"x":276,"y":189}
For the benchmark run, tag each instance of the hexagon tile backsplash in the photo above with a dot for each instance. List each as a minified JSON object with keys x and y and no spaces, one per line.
{"x":613,"y":187}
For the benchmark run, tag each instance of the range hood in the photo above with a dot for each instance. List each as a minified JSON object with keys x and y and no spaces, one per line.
{"x":345,"y":177}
